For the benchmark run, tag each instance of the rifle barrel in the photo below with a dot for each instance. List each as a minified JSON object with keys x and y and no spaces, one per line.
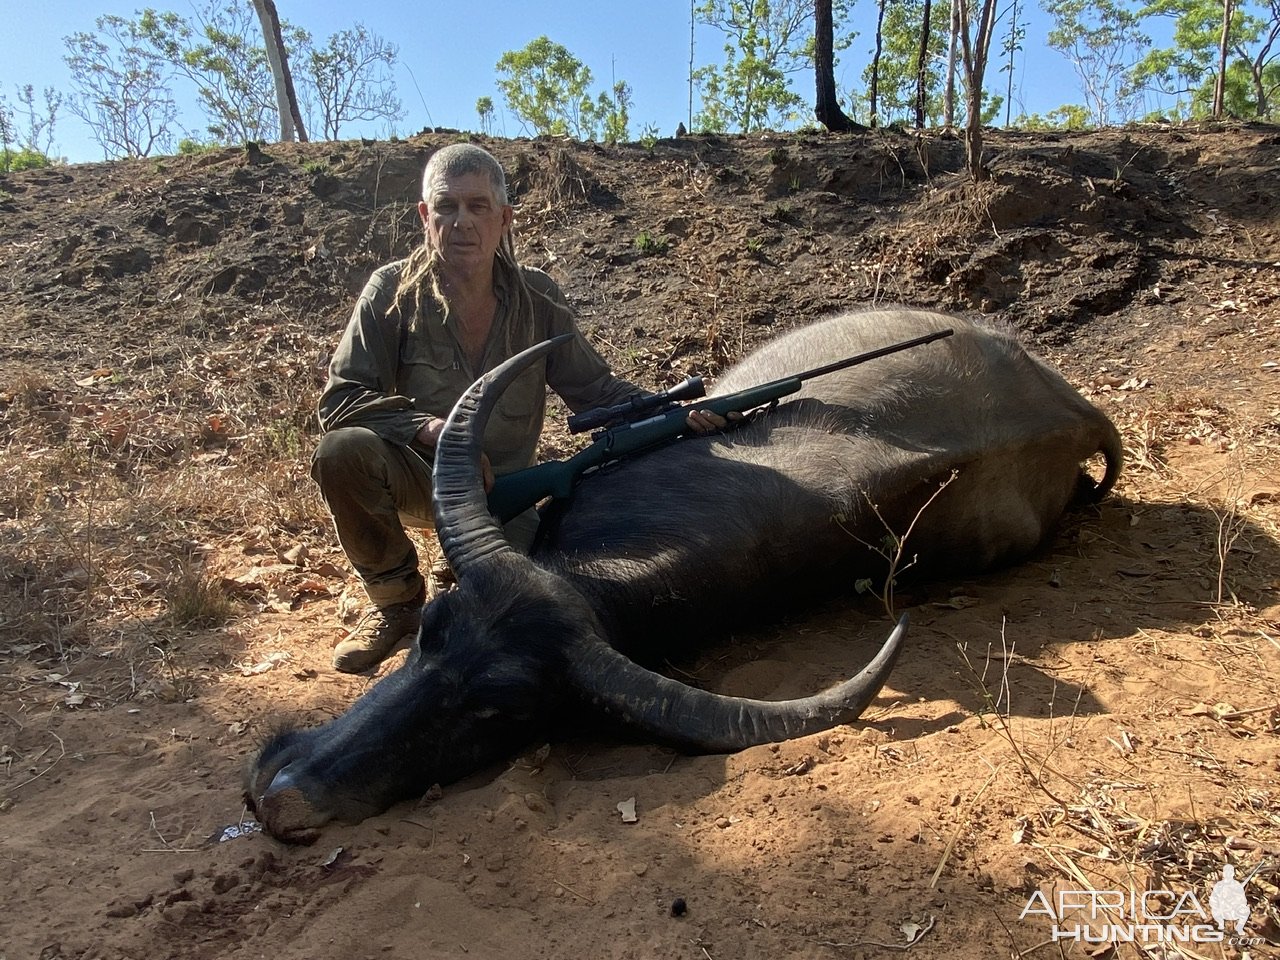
{"x":873,"y":354}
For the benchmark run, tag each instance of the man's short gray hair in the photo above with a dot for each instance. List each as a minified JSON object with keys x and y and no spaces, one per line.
{"x":460,"y":159}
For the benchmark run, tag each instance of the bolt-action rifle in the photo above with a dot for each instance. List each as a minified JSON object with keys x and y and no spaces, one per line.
{"x":645,"y":422}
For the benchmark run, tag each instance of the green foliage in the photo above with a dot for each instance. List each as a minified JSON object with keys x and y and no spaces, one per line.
{"x":900,"y":48}
{"x":1188,"y":68}
{"x":650,"y":135}
{"x":1102,"y":39}
{"x":219,"y":51}
{"x":484,"y":108}
{"x":1067,"y":117}
{"x":548,"y":88}
{"x":11,"y":161}
{"x":768,"y":40}
{"x":350,"y":80}
{"x":650,"y":245}
{"x":614,"y":113}
{"x":1240,"y":92}
{"x":124,"y":70}
{"x":189,"y":147}
{"x":26,"y":145}
{"x":120,"y":88}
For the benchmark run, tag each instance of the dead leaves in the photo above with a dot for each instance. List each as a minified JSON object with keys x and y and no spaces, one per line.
{"x":282,"y":579}
{"x":1239,"y":723}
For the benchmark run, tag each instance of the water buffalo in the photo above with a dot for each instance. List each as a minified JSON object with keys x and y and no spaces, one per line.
{"x":679,"y":542}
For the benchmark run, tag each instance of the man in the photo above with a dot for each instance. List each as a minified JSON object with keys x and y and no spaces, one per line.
{"x":425,"y":328}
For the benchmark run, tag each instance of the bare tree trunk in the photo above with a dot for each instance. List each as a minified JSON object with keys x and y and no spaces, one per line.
{"x":286,"y":99}
{"x":922,"y":64}
{"x":1013,"y":48}
{"x":691,"y":23}
{"x":949,"y":99}
{"x":975,"y":67}
{"x":1219,"y":86}
{"x":874,"y":92}
{"x":827,"y":107}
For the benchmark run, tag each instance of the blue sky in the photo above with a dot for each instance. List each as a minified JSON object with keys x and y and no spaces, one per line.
{"x":448,"y":51}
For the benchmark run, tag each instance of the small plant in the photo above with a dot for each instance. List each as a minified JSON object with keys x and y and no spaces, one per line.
{"x":784,"y":212}
{"x":284,"y":439}
{"x":755,"y":246}
{"x":649,"y":136}
{"x":188,"y":147}
{"x":893,"y":548}
{"x":315,"y":167}
{"x":649,"y":245}
{"x":196,"y":599}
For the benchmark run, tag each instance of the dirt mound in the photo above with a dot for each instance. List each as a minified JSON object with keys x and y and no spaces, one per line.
{"x":1105,"y":717}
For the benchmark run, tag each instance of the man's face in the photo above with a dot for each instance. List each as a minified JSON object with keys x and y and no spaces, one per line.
{"x":464,"y":221}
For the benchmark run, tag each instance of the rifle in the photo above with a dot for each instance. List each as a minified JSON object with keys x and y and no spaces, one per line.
{"x":638,"y":425}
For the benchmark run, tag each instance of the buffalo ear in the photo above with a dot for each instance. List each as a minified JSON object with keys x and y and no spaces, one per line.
{"x":711,"y":722}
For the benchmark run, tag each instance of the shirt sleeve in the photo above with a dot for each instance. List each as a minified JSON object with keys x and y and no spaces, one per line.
{"x":362,"y":387}
{"x":576,"y":371}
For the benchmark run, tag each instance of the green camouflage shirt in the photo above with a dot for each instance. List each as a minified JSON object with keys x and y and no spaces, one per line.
{"x":391,"y":380}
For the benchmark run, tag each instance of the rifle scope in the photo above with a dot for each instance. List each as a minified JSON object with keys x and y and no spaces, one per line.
{"x":690,"y":389}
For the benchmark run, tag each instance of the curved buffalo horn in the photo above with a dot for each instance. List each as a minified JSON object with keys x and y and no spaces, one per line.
{"x":711,"y":722}
{"x":468,"y":533}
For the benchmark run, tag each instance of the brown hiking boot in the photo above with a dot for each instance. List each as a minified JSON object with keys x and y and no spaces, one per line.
{"x":440,"y":578}
{"x":377,"y":634}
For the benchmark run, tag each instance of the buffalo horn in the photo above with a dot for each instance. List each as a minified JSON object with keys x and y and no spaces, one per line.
{"x":711,"y":722}
{"x":468,"y":533}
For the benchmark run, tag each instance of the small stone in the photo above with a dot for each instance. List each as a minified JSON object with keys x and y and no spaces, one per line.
{"x":723,"y":822}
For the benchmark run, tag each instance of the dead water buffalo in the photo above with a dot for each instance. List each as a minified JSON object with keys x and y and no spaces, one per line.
{"x":682,"y":540}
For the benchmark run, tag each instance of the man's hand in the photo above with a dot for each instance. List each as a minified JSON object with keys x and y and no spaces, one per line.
{"x":704,"y":421}
{"x":429,"y":436}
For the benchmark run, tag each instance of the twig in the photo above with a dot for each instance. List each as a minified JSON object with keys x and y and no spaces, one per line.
{"x":580,"y":896}
{"x":901,"y":947}
{"x":946,"y":852}
{"x":62,"y":746}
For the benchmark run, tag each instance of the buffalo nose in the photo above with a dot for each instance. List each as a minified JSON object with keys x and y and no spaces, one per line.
{"x":286,"y":813}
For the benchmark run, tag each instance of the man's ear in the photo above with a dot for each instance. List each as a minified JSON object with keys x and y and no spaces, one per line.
{"x":423,"y":212}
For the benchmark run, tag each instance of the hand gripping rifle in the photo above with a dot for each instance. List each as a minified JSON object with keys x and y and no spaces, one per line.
{"x":637,"y":425}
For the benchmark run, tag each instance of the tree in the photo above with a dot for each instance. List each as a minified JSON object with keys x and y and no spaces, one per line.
{"x":922,"y":64}
{"x":897,"y":71}
{"x":219,"y":53}
{"x":27,"y":145}
{"x":873,"y":79}
{"x":121,"y":91}
{"x":1100,"y":38}
{"x":1194,"y":63}
{"x":278,"y":60}
{"x":975,"y":47}
{"x":768,"y":41}
{"x":1012,"y":44}
{"x":827,"y":105}
{"x":953,"y":58}
{"x":484,"y":107}
{"x":615,"y":113}
{"x":1224,"y":45}
{"x":351,"y":77}
{"x":1262,"y":65}
{"x":548,"y":88}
